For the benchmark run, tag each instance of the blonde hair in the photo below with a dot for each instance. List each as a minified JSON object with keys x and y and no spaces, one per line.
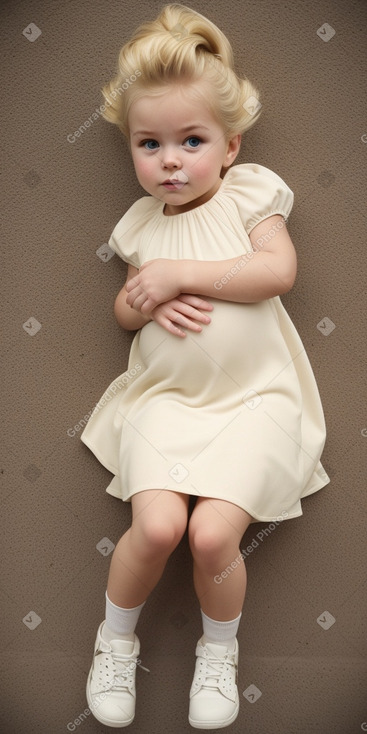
{"x":181,"y":46}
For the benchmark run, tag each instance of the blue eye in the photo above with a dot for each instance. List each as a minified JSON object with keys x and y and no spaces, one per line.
{"x":193,"y":141}
{"x":148,"y":146}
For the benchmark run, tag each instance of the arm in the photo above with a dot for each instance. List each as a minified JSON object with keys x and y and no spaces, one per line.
{"x":184,"y":311}
{"x":125,"y":315}
{"x":254,"y":276}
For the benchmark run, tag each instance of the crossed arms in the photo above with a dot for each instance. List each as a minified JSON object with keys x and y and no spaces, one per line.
{"x":172,"y":292}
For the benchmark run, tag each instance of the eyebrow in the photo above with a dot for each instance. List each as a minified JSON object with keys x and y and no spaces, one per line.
{"x":182,"y":130}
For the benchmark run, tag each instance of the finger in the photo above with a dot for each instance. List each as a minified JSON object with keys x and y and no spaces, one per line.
{"x":147,"y":306}
{"x":188,"y":323}
{"x":170,"y":326}
{"x":192,"y":325}
{"x":192,"y":313}
{"x":131,"y":284}
{"x":195,"y":301}
{"x":138,"y":302}
{"x":175,"y":330}
{"x":133,"y":294}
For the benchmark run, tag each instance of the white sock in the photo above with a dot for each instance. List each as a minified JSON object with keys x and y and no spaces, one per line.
{"x":221,"y":633}
{"x":120,"y":623}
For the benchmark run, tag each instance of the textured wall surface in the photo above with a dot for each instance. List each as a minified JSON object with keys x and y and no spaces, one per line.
{"x":302,"y":634}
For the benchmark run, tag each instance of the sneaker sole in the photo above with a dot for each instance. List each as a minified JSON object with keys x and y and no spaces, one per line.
{"x":214,"y":724}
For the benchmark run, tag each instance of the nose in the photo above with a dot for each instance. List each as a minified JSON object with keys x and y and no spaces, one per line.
{"x":170,"y":157}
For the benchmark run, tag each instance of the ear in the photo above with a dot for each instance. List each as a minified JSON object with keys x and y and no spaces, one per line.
{"x":233,"y":147}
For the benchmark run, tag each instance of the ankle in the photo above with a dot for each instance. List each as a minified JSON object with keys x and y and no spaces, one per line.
{"x":220,"y":633}
{"x":120,"y":623}
{"x":108,"y":634}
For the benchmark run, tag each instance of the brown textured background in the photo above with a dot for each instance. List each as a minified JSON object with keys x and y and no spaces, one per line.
{"x":61,"y":201}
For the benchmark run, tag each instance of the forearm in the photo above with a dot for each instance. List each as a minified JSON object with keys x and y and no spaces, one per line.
{"x":252,"y":277}
{"x":127,"y":316}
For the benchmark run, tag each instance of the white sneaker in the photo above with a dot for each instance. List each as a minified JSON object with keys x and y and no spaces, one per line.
{"x":111,"y":681}
{"x":214,"y":701}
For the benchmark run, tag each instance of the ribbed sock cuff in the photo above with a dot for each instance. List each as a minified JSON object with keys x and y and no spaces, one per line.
{"x":120,"y":620}
{"x":220,"y":632}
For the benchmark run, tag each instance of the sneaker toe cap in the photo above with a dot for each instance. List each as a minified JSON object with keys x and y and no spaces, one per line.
{"x":206,"y":709}
{"x":118,"y":710}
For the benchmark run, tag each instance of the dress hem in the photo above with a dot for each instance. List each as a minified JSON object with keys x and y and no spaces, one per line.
{"x":98,"y":456}
{"x":113,"y":490}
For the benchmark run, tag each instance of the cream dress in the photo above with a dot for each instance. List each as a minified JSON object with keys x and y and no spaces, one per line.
{"x":233,"y":412}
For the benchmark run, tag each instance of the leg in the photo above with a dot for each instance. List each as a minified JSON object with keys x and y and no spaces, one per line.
{"x":138,"y":561}
{"x":215,"y":531}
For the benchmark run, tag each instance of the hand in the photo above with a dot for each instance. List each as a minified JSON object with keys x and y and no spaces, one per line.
{"x":186,"y":310}
{"x":158,"y":281}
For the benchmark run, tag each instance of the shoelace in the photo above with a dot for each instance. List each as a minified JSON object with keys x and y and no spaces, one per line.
{"x":216,"y":664}
{"x":126,"y":669}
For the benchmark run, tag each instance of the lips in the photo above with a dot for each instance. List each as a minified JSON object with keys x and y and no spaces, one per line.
{"x":173,"y":184}
{"x":176,"y":181}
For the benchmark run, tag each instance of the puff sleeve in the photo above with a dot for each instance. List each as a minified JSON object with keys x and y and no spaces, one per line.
{"x":258,"y":193}
{"x":127,"y":236}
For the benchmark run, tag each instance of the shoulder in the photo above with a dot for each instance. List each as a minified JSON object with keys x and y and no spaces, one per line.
{"x":251,"y":174}
{"x":126,"y":236}
{"x":142,"y":209}
{"x":258,"y":192}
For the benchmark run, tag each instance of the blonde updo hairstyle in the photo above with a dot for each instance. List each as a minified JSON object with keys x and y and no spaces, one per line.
{"x":181,"y":46}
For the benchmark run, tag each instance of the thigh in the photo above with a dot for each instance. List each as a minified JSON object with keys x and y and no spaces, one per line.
{"x":160,"y":505}
{"x":219,"y":517}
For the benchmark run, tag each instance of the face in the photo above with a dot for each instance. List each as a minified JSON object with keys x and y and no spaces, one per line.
{"x":178,"y":147}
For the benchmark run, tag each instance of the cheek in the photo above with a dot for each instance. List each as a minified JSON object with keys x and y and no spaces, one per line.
{"x":145,"y":175}
{"x":205,"y":168}
{"x":145,"y":168}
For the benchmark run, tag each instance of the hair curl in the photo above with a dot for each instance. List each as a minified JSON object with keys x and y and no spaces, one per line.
{"x":181,"y":46}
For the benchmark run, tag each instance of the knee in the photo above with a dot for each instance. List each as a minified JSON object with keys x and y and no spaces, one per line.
{"x":209,"y":545}
{"x":158,"y":535}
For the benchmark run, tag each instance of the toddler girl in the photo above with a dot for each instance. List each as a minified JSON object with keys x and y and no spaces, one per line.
{"x":219,"y":400}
